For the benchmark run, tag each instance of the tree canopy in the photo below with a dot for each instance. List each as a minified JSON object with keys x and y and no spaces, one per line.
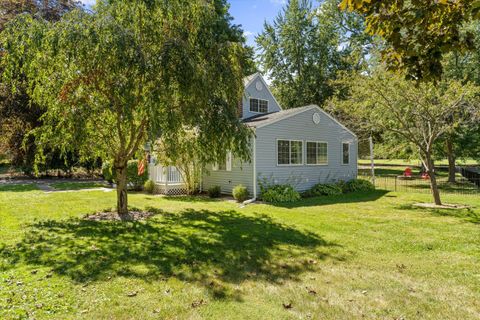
{"x":419,"y":114}
{"x":130,"y":72}
{"x":305,"y":47}
{"x":418,"y":33}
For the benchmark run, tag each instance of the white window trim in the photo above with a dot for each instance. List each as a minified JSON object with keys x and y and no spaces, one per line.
{"x":290,"y":154}
{"x":349,"y":153}
{"x":228,"y":164}
{"x":306,"y":154}
{"x":250,"y":105}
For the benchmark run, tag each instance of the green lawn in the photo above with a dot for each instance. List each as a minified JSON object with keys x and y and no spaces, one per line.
{"x":371,"y":256}
{"x":77,"y":185}
{"x":406,"y":162}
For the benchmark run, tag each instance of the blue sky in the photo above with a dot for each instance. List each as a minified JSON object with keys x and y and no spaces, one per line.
{"x":249,"y":13}
{"x":252,"y":13}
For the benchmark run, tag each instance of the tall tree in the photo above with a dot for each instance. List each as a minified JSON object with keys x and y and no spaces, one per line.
{"x":128,"y":72}
{"x":18,"y":115}
{"x":418,"y":33}
{"x":303,"y":49}
{"x":417,"y":113}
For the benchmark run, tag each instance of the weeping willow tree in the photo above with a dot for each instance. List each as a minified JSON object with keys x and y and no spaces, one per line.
{"x":129,"y":72}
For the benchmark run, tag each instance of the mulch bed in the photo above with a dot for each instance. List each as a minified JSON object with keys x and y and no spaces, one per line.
{"x":113,"y":216}
{"x":443,"y":206}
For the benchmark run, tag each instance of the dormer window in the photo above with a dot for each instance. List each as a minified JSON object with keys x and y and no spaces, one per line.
{"x":258,"y":105}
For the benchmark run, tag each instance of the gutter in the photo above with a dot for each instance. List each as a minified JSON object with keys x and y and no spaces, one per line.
{"x":244,"y":203}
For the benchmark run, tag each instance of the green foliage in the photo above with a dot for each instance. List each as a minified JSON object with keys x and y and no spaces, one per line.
{"x":418,"y":33}
{"x":240,"y":193}
{"x":359,"y":185}
{"x":328,"y":189}
{"x":279,"y":193}
{"x":107,"y":171}
{"x":149,"y":186}
{"x":300,"y":50}
{"x":18,"y":114}
{"x":134,"y":181}
{"x":129,"y":72}
{"x":214,"y":192}
{"x":415,"y":113}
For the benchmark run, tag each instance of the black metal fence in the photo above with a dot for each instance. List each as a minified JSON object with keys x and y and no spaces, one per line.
{"x":463,"y":185}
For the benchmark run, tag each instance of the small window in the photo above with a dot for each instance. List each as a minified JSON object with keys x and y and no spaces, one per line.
{"x":258,"y":105}
{"x":346,"y":153}
{"x":289,"y":152}
{"x":317,"y":153}
{"x":224,"y":165}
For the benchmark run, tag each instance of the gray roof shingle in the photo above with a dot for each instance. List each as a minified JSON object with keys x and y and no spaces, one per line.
{"x":263,"y":119}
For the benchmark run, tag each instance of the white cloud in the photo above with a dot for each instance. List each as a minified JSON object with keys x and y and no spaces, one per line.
{"x":88,"y":2}
{"x":248,"y":34}
{"x":280,"y":2}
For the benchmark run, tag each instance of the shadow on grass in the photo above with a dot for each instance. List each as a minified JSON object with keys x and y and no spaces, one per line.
{"x":192,"y":198}
{"x":327,"y":200}
{"x":18,"y":187}
{"x":468,"y":214}
{"x":209,"y":248}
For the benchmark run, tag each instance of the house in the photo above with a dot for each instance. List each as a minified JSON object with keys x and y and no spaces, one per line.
{"x":299,"y":146}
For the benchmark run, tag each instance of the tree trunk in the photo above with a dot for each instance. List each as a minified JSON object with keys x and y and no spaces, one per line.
{"x":451,"y":162}
{"x":433,"y":180}
{"x":122,"y":200}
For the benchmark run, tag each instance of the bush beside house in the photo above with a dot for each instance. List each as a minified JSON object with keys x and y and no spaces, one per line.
{"x":135,"y":181}
{"x":240,"y":193}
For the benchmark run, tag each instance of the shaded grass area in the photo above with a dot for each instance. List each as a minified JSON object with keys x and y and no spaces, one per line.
{"x":77,"y":185}
{"x":370,"y":255}
{"x":18,"y":187}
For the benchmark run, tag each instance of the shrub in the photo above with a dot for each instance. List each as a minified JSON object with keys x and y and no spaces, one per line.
{"x":280,"y":193}
{"x":149,"y":186}
{"x":134,"y":181}
{"x":320,"y":189}
{"x":240,"y":193}
{"x":107,"y":171}
{"x":214,"y":192}
{"x":359,"y":185}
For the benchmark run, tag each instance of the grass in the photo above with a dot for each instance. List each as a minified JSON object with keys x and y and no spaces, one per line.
{"x":75,"y":185}
{"x":372,"y":256}
{"x":406,"y":162}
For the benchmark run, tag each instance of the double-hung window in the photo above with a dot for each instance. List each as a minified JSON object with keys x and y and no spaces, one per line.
{"x":345,"y":153}
{"x":224,"y":165}
{"x":289,"y":152}
{"x":317,"y":153}
{"x":258,"y":105}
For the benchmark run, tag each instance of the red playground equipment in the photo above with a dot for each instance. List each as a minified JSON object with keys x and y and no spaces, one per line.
{"x":407,"y":173}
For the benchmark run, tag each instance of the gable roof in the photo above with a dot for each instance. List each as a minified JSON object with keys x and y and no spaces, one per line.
{"x":249,"y":79}
{"x":263,"y":120}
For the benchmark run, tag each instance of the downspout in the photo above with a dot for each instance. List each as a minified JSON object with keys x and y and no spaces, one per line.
{"x":254,"y":160}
